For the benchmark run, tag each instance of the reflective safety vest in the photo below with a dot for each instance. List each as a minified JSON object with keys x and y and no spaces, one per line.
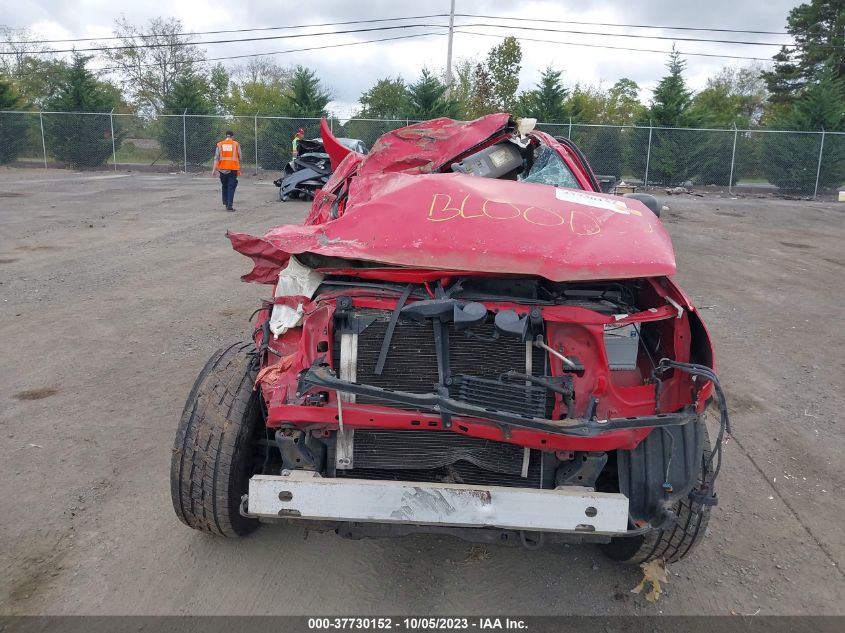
{"x":229,"y":151}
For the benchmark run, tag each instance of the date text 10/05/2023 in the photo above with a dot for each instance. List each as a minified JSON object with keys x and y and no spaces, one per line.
{"x":417,"y":623}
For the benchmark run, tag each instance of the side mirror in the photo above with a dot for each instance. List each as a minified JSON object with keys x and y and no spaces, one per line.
{"x":647,"y":199}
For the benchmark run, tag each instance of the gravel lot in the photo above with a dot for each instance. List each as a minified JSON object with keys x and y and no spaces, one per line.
{"x":117,"y":287}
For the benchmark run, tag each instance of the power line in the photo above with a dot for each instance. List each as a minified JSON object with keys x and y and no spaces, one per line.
{"x":404,"y":37}
{"x":618,"y":48}
{"x":410,"y":17}
{"x":318,"y":48}
{"x":405,"y":26}
{"x":630,"y":26}
{"x":191,"y":34}
{"x":284,"y":52}
{"x":631,"y":35}
{"x":230,"y":41}
{"x":391,"y":28}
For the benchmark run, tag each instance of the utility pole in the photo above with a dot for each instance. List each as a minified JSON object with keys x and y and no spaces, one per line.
{"x":449,"y":49}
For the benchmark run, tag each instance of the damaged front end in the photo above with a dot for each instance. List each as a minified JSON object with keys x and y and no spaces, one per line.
{"x":466,"y":337}
{"x":432,"y":389}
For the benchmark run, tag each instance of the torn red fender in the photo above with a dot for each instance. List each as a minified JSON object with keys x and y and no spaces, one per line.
{"x":334,"y":148}
{"x":267,"y":259}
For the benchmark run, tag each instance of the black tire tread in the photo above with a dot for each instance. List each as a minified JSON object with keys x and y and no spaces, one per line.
{"x":213,"y":444}
{"x":672,"y":544}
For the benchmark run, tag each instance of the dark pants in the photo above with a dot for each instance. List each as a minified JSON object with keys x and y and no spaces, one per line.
{"x":230,"y":183}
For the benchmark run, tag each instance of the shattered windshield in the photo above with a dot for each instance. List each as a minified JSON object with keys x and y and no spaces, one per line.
{"x":549,"y":169}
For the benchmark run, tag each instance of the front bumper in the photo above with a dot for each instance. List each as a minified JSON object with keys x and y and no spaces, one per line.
{"x":306,"y":495}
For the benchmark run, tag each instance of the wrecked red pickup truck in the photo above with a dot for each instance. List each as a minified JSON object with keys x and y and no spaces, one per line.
{"x":465,"y":337}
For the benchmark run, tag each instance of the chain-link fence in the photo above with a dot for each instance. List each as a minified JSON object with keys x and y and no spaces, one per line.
{"x":805,"y":163}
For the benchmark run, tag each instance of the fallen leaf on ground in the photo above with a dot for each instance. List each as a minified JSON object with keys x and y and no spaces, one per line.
{"x":654,"y":573}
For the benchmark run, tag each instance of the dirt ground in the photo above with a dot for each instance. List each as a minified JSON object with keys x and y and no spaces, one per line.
{"x":117,"y":287}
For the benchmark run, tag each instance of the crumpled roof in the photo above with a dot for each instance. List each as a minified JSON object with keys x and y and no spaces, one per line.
{"x":401,"y":212}
{"x":427,"y":146}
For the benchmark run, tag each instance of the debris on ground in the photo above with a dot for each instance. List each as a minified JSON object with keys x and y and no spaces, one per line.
{"x":746,"y":615}
{"x":654,"y":573}
{"x":676,"y":191}
{"x":476,"y":553}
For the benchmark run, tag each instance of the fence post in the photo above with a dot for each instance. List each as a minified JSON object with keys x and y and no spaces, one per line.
{"x":819,"y":168}
{"x":570,"y":129}
{"x":733,"y":158}
{"x":185,"y":140}
{"x":255,"y":131}
{"x":113,"y":147}
{"x":43,"y":142}
{"x":648,"y":154}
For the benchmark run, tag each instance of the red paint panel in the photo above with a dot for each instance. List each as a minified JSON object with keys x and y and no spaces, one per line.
{"x":463,"y":223}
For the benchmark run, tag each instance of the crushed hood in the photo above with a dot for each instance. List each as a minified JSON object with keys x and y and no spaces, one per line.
{"x":401,"y":212}
{"x":459,"y":222}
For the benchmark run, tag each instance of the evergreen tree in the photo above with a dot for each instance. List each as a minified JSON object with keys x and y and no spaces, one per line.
{"x":795,"y":156}
{"x":671,"y":161}
{"x":427,"y":98}
{"x":13,"y":127}
{"x":190,"y":94}
{"x":306,"y":96}
{"x":672,"y":99}
{"x":818,"y":28}
{"x":386,"y":99}
{"x":82,"y":140}
{"x":546,"y":102}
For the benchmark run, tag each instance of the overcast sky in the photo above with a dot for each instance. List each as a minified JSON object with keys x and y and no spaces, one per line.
{"x":350,"y":70}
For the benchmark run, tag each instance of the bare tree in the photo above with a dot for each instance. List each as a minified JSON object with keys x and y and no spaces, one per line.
{"x":261,"y":70}
{"x":149,"y":60}
{"x":17,"y":45}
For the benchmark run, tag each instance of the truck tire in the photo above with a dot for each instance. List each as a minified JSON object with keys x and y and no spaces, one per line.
{"x":216,"y":449}
{"x":671,"y":544}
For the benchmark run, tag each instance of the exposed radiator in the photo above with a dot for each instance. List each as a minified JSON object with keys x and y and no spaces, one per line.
{"x":441,"y":456}
{"x":432,"y":449}
{"x":412,"y":363}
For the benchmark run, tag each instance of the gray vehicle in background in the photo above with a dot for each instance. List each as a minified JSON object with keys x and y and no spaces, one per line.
{"x":311,"y":169}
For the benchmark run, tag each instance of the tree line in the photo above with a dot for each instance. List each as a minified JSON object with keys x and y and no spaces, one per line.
{"x":801,"y":90}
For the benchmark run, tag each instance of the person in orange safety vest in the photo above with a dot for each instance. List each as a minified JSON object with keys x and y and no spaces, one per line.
{"x":227,"y":163}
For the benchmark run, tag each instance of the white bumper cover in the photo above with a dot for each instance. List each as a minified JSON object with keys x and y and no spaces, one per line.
{"x":305,"y":495}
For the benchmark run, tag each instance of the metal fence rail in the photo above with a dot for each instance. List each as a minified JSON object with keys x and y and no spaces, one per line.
{"x":790,"y":161}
